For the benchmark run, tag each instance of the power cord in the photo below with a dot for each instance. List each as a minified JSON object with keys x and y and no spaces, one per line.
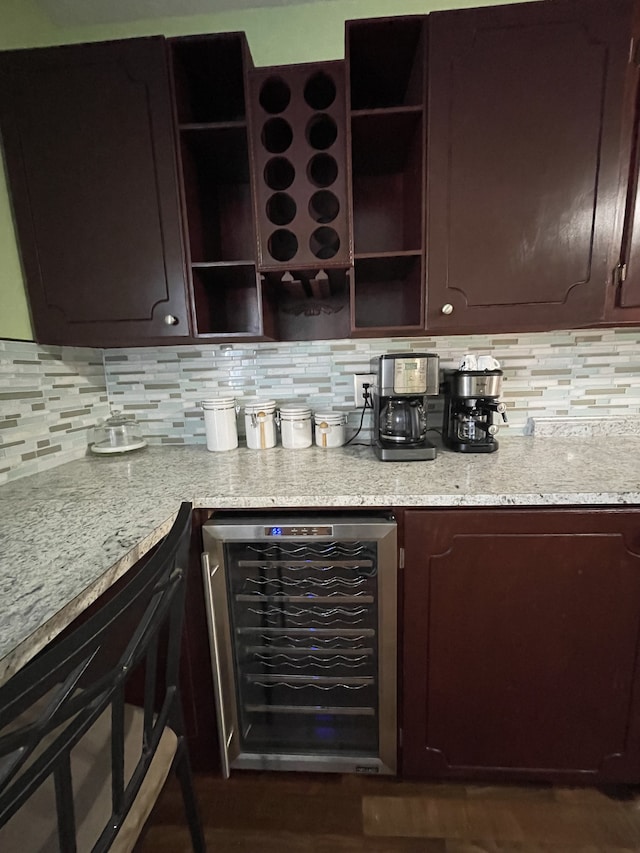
{"x":366,"y":396}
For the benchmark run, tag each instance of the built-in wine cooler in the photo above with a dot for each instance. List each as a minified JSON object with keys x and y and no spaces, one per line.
{"x":302,"y":619}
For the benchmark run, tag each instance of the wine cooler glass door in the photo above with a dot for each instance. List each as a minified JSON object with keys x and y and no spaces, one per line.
{"x":309,"y":648}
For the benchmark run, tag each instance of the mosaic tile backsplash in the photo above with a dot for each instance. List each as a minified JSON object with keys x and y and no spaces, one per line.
{"x":559,"y":374}
{"x":51,"y":397}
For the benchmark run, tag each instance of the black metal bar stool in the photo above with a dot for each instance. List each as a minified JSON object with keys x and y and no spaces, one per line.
{"x":81,"y":768}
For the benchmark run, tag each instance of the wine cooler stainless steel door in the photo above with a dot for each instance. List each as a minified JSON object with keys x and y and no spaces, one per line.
{"x":303,"y":632}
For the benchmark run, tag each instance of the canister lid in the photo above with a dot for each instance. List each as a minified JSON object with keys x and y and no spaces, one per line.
{"x":252,"y":407}
{"x":330,"y":418}
{"x":218,"y":403}
{"x":295,"y":411}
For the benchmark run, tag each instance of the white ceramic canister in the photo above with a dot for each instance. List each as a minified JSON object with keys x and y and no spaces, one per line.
{"x":295,"y":426}
{"x":220,"y":423}
{"x":260,"y":424}
{"x":329,"y":429}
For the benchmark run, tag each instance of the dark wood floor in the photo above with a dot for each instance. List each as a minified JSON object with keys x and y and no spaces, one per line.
{"x":300,"y":813}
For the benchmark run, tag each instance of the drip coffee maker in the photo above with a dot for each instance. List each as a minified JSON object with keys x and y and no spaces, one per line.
{"x":403,"y":382}
{"x":470,"y":404}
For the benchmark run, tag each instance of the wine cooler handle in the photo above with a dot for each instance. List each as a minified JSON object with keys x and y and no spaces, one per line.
{"x":218,"y":688}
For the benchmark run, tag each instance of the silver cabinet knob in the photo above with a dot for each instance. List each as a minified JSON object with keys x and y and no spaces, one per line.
{"x":447,"y":308}
{"x":170,"y":320}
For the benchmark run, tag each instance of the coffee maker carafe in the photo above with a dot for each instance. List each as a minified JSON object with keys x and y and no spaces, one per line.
{"x":471,"y":402}
{"x":403,"y":382}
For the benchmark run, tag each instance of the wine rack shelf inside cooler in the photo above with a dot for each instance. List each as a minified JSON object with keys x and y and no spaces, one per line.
{"x":315,"y":689}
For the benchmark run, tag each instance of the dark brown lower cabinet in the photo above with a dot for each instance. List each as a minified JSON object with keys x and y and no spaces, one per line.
{"x":520,"y":648}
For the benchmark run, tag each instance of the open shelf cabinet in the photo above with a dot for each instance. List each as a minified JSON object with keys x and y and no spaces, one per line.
{"x":386,"y":62}
{"x":209,"y":75}
{"x":386,"y":58}
{"x":387,"y":153}
{"x":209,"y":78}
{"x":217,"y":194}
{"x":388,"y":293}
{"x":309,"y":304}
{"x":226,"y":300}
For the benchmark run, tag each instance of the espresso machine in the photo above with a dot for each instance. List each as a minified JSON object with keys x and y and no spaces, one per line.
{"x":471,"y":401}
{"x":403,"y":382}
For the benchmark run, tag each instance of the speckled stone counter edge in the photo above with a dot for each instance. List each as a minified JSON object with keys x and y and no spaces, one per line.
{"x":23,"y":653}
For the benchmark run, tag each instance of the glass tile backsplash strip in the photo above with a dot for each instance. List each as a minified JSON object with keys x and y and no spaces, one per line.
{"x":555,"y":374}
{"x":50,"y":399}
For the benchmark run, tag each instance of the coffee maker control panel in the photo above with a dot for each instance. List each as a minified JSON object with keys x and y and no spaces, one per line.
{"x":410,"y":376}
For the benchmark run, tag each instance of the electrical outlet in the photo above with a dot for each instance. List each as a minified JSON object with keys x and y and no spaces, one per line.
{"x":359,"y":381}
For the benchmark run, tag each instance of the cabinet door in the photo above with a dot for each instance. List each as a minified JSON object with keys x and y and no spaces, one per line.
{"x":525,"y":104}
{"x":623,"y":303}
{"x":88,"y":138}
{"x":520,"y":644}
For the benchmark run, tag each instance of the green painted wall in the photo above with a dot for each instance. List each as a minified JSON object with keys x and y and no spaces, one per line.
{"x":307,"y":32}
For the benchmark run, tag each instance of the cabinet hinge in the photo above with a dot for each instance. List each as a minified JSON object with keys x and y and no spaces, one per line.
{"x":401,"y":558}
{"x":619,"y":274}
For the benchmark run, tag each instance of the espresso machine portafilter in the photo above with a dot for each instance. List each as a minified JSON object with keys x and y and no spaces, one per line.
{"x":471,"y":403}
{"x":403,"y":383}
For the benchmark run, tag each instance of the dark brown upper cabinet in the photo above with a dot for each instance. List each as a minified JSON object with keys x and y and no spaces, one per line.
{"x":523,"y":140}
{"x":386,"y":91}
{"x":467,"y":171}
{"x":89,"y":146}
{"x":521,"y":645}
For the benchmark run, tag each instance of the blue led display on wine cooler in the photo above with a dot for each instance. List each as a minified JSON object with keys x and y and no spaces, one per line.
{"x":276,"y":531}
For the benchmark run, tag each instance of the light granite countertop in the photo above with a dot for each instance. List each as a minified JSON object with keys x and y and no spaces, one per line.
{"x":68,"y":533}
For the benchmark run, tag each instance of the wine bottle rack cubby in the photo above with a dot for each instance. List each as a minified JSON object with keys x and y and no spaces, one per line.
{"x":299,"y":150}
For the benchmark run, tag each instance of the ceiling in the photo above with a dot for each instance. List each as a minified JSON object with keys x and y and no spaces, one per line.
{"x":81,"y":12}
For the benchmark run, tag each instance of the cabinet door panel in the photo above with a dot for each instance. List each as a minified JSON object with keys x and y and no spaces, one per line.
{"x":90,"y":154}
{"x":629,"y":291}
{"x":521,"y":637}
{"x":624,"y":300}
{"x":524,"y":112}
